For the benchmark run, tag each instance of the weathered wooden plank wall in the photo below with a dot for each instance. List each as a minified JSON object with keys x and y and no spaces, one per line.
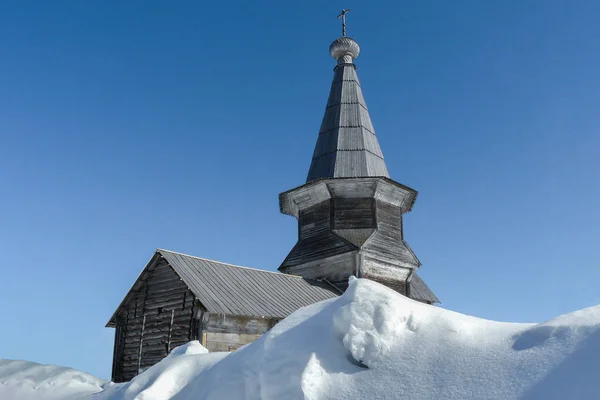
{"x":353,"y":213}
{"x":387,"y":242}
{"x":337,"y":234}
{"x":228,"y":332}
{"x":227,"y":341}
{"x":316,"y":241}
{"x":127,"y":365}
{"x":155,"y":321}
{"x":314,"y":220}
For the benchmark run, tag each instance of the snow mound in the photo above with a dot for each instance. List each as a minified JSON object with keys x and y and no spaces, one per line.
{"x":372,"y":343}
{"x":190,"y":348}
{"x":23,"y":380}
{"x":368,"y":326}
{"x":167,"y":378}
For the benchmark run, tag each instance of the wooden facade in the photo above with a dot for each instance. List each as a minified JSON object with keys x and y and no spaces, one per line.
{"x":164,"y":314}
{"x":229,"y":332}
{"x":178,"y":298}
{"x":157,"y":318}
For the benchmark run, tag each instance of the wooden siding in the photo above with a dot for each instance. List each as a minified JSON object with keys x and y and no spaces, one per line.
{"x":228,"y":332}
{"x":353,"y":213}
{"x":321,"y":246}
{"x":117,"y":367}
{"x":157,"y":319}
{"x":389,"y":275}
{"x":398,"y":286}
{"x":227,"y":341}
{"x":314,"y":220}
{"x":387,"y":243}
{"x":335,"y":270}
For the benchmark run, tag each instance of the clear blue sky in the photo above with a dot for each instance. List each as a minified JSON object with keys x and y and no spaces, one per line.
{"x":127,"y":126}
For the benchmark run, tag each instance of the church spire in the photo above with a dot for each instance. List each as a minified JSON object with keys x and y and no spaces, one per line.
{"x":347,"y":146}
{"x":349,"y":211}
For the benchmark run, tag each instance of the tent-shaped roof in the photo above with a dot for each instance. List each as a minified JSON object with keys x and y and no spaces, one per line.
{"x":347,"y":146}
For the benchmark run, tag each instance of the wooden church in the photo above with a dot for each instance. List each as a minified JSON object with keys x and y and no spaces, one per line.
{"x":349,"y":215}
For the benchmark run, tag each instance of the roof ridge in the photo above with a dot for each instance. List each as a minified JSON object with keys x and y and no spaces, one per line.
{"x":228,"y":264}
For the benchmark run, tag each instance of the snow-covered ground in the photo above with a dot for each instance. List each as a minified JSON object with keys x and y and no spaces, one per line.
{"x":23,"y":380}
{"x":371,"y":343}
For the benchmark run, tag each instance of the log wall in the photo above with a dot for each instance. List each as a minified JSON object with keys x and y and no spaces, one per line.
{"x":353,"y":213}
{"x":314,"y":220}
{"x":156,"y":319}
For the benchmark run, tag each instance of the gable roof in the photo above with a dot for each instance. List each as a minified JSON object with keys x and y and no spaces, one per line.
{"x":233,"y":290}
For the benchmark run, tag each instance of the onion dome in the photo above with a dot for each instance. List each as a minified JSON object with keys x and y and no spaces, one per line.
{"x":344,"y":50}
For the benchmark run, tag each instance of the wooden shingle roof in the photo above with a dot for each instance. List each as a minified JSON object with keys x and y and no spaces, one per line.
{"x":347,"y":146}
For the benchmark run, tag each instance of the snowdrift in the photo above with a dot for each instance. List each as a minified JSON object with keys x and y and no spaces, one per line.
{"x":372,"y":343}
{"x":23,"y":380}
{"x":167,"y":378}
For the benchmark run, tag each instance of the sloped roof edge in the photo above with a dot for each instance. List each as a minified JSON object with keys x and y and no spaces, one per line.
{"x":235,"y":290}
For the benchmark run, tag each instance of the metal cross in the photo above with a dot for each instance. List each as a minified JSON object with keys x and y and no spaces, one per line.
{"x":343,"y":17}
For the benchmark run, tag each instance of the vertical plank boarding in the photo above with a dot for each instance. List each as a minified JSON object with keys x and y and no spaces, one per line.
{"x":141,"y":342}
